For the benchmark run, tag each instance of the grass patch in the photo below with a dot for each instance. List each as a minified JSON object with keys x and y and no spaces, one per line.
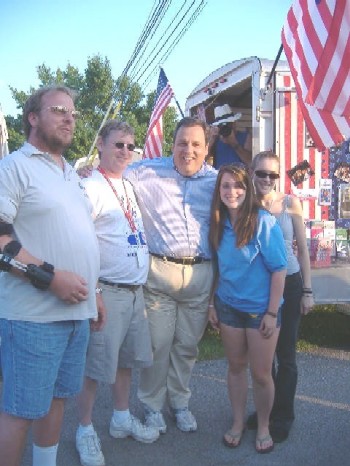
{"x":210,"y":347}
{"x":324,"y":327}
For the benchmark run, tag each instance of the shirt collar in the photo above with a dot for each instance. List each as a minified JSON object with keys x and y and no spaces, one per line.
{"x":29,"y":150}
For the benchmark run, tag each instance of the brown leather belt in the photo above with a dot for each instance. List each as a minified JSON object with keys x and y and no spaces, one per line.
{"x":182,"y":260}
{"x":120,"y":285}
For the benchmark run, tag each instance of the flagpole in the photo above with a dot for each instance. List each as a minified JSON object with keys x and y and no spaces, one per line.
{"x":96,"y":137}
{"x":176,"y":101}
{"x":178,"y":106}
{"x":275,"y":64}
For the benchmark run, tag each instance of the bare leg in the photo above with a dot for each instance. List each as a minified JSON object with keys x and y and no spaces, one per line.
{"x":121,"y":389}
{"x":13,"y":434}
{"x":235,"y":344}
{"x":47,"y":430}
{"x":86,"y":400}
{"x":261,"y":353}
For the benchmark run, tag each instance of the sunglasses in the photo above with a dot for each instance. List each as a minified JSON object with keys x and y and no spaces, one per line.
{"x":62,"y":110}
{"x":262,"y":174}
{"x":121,"y":145}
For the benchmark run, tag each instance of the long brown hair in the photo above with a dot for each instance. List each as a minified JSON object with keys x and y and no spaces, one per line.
{"x":247,"y":214}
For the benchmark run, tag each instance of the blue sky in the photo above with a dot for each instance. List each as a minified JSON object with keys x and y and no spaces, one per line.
{"x":33,"y":32}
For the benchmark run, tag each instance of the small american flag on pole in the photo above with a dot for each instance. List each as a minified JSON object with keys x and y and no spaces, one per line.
{"x":316,"y":41}
{"x":154,"y":136}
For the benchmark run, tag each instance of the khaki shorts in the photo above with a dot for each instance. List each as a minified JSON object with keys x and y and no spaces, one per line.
{"x":125,"y":340}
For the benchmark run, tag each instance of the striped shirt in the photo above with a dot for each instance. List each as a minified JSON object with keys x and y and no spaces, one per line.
{"x":175,"y":208}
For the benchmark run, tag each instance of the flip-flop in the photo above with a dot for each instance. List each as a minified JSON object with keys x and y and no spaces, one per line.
{"x":235,"y":439}
{"x":261,"y":441}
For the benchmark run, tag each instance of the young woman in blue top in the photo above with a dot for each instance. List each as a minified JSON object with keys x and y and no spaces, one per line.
{"x":247,"y":295}
{"x":298,"y":298}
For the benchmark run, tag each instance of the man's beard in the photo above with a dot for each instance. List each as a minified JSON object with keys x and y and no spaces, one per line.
{"x":55,"y":144}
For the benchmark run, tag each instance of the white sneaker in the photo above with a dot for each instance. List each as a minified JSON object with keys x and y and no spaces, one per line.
{"x":89,"y":449}
{"x":185,"y":420}
{"x":133,"y":427}
{"x":155,"y":419}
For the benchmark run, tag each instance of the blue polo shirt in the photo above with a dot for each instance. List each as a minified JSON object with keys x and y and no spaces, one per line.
{"x":245,"y":273}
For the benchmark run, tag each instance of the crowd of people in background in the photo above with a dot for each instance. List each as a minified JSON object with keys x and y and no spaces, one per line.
{"x":124,"y":267}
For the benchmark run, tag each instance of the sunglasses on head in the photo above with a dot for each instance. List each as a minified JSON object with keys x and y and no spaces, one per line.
{"x":262,"y":174}
{"x":121,"y":145}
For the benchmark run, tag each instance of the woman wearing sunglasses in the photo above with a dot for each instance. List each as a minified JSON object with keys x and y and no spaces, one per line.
{"x":298,"y":298}
{"x":247,"y":295}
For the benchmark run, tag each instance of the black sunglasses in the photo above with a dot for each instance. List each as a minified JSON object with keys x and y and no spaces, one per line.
{"x":121,"y":145}
{"x":262,"y":174}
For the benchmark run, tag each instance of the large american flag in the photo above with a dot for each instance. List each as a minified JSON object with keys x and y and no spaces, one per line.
{"x":154,"y":137}
{"x":316,"y":41}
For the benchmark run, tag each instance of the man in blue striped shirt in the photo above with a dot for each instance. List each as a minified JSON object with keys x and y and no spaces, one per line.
{"x":174,"y":196}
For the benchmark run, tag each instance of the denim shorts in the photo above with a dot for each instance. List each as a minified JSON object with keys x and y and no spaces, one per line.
{"x":232,"y":317}
{"x":41,"y":361}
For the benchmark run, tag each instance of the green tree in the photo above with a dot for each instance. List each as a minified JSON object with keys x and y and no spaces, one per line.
{"x":95,"y":89}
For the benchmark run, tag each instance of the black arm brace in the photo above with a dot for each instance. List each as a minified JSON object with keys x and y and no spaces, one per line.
{"x":5,"y":228}
{"x":40,"y":276}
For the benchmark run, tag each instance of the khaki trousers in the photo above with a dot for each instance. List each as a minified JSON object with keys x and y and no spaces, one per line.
{"x":176,"y":299}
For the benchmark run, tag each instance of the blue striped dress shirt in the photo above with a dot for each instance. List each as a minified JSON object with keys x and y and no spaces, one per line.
{"x":175,"y":208}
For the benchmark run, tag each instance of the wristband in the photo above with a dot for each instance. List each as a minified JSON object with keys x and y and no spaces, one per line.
{"x":98,"y":291}
{"x":211,"y":305}
{"x":40,"y":276}
{"x":272,"y":314}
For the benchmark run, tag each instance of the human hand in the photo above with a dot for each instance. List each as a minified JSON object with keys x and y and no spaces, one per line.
{"x":306,"y":304}
{"x":213,"y":132}
{"x":85,"y":171}
{"x":267,"y":326}
{"x":213,"y":318}
{"x":98,"y":323}
{"x":69,"y":287}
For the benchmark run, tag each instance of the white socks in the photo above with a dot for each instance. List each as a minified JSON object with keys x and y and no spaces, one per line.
{"x":44,"y":456}
{"x":121,"y":416}
{"x":89,"y":429}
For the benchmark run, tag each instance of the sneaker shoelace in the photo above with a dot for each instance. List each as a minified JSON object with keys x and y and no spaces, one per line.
{"x":92,"y":444}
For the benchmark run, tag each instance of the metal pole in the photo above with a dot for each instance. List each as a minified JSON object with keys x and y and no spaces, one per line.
{"x":275,"y":64}
{"x":99,"y":129}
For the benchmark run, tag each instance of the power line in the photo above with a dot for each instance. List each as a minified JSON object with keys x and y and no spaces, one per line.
{"x":171,"y":47}
{"x":150,"y":28}
{"x":136,"y":74}
{"x":149,"y":35}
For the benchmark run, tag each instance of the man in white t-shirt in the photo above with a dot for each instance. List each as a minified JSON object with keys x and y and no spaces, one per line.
{"x":125,"y":341}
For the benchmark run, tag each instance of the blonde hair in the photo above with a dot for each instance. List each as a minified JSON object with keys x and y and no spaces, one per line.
{"x":268,"y":154}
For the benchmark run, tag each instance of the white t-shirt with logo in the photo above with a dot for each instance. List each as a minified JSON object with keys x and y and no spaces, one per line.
{"x":124,"y":253}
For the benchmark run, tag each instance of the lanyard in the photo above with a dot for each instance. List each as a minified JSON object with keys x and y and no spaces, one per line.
{"x":127,"y":211}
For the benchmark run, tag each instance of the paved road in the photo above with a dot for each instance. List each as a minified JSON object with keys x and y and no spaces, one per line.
{"x":320,"y":435}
